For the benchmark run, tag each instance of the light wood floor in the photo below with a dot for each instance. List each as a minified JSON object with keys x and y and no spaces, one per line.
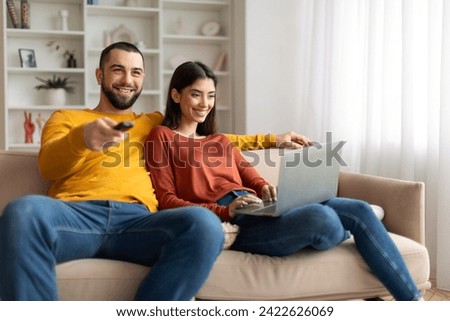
{"x":432,"y":294}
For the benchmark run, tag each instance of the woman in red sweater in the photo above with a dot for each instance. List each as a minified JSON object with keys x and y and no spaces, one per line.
{"x":191,"y":164}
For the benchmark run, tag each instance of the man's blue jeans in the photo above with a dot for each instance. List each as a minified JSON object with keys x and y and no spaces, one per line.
{"x":324,"y":226}
{"x":37,"y":232}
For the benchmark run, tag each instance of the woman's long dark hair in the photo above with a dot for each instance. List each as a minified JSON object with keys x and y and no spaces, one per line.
{"x":185,"y":75}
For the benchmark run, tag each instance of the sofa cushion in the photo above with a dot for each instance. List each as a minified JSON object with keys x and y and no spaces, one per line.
{"x":99,"y":279}
{"x":243,"y":276}
{"x":340,"y":271}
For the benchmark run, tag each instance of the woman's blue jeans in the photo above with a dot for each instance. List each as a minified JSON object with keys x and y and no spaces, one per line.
{"x":37,"y":232}
{"x":324,"y":226}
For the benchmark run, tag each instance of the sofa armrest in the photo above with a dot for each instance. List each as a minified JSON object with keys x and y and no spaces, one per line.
{"x":20,"y":176}
{"x":403,"y":201}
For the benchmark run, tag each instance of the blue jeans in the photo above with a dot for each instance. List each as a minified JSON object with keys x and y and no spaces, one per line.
{"x":324,"y":226}
{"x":37,"y":232}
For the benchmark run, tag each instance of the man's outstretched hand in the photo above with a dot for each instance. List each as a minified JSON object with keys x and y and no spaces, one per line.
{"x":100,"y":134}
{"x":292,"y":140}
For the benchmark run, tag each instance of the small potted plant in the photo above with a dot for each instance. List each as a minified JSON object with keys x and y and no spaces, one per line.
{"x":56,"y":87}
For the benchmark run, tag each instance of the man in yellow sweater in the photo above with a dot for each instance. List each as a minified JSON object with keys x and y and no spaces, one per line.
{"x":101,"y":202}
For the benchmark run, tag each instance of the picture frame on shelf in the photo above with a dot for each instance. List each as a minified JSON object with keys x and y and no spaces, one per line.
{"x":27,"y":58}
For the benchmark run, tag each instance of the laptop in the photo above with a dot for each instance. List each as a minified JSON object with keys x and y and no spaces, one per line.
{"x":308,"y":175}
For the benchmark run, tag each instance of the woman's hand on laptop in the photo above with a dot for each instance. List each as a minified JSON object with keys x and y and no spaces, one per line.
{"x":242,"y":201}
{"x":269,"y":193}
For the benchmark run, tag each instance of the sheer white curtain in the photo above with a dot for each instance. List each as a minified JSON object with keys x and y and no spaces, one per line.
{"x":376,"y":73}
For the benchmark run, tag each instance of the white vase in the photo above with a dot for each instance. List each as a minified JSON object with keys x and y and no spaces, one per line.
{"x":56,"y":96}
{"x":64,"y":14}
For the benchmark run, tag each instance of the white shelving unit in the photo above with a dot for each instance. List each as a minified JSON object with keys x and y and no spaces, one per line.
{"x":138,"y":23}
{"x":167,"y":31}
{"x":182,"y":40}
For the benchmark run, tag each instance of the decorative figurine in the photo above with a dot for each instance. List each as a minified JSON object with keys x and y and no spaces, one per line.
{"x":40,"y":123}
{"x":179,"y":27}
{"x":29,"y":128}
{"x":106,"y":38}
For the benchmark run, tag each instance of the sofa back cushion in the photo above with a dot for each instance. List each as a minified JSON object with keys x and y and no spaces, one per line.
{"x":20,"y":173}
{"x":265,"y":162}
{"x":21,"y":176}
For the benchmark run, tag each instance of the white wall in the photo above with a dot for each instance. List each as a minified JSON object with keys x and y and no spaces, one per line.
{"x":271,"y":30}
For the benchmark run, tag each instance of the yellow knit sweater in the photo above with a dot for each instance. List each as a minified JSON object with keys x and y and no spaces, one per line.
{"x":117,"y":174}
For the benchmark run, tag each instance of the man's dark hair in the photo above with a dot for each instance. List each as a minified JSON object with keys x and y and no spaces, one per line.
{"x":121,"y":45}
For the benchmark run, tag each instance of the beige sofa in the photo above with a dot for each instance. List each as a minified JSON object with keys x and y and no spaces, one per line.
{"x":337,"y":274}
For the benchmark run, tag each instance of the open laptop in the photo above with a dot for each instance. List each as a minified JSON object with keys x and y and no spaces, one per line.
{"x":308,"y":175}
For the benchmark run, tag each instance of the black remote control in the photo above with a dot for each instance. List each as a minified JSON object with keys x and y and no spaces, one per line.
{"x":123,"y":126}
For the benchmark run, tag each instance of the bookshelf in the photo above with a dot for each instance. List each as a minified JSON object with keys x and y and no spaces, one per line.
{"x":168,"y":32}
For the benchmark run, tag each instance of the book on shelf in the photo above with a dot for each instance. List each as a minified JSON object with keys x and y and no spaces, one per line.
{"x":25,"y":14}
{"x":220,"y":62}
{"x":13,"y":13}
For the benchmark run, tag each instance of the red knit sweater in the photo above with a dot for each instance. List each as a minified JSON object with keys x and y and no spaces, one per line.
{"x":187,"y":171}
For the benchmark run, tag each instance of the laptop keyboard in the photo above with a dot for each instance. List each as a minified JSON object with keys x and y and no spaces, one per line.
{"x":268,"y":208}
{"x":259,"y":209}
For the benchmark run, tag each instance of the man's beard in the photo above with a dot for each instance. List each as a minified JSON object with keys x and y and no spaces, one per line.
{"x":117,"y":101}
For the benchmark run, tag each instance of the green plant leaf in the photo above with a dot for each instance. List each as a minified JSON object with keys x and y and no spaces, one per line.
{"x":56,"y":82}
